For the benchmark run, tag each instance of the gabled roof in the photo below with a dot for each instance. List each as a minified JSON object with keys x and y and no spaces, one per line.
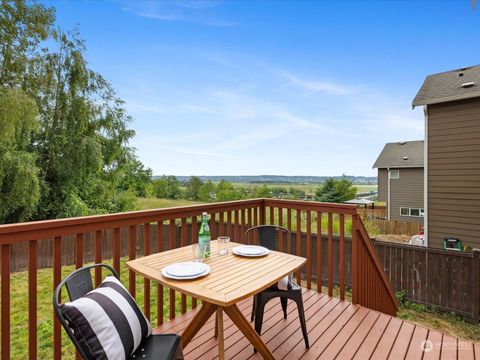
{"x":405,"y":154}
{"x":452,"y":85}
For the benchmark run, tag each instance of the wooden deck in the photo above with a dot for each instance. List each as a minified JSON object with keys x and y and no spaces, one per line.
{"x":337,"y":330}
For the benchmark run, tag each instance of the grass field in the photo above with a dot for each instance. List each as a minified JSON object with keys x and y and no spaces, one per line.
{"x":156,"y":203}
{"x":308,"y":188}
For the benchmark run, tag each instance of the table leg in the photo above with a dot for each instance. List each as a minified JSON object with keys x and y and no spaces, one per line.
{"x":219,"y":328}
{"x":197,"y":322}
{"x":244,"y":326}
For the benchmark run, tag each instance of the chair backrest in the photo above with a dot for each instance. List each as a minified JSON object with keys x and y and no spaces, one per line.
{"x":78,"y":284}
{"x":268,"y":235}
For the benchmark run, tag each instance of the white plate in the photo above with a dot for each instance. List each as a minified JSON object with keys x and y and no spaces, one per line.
{"x":167,"y":275}
{"x":186,"y":269}
{"x":250,"y":250}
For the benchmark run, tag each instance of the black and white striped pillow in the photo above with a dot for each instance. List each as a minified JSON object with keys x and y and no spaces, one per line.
{"x":107,"y":321}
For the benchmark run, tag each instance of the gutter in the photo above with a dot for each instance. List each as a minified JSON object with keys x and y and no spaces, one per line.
{"x":425,"y":179}
{"x":388,"y":194}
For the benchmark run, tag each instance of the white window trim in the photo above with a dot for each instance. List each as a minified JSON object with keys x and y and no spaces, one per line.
{"x":394,"y":177}
{"x":420,"y":211}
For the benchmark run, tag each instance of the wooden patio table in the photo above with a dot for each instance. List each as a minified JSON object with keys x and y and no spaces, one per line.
{"x":232,"y":279}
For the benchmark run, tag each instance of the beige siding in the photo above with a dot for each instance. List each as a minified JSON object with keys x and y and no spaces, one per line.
{"x":407,"y":191}
{"x":454,"y":172}
{"x":382,"y":184}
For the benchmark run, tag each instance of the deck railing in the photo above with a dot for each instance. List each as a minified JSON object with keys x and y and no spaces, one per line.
{"x":331,"y":237}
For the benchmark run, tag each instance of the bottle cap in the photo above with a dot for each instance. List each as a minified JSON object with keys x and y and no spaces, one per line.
{"x":204,"y":213}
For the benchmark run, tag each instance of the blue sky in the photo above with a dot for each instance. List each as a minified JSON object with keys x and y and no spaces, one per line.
{"x":287,"y":88}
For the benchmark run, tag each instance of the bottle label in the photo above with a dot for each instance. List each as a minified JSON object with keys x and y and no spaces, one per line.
{"x":203,"y":240}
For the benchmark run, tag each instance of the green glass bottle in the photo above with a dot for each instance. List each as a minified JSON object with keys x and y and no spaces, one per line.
{"x":204,"y":234}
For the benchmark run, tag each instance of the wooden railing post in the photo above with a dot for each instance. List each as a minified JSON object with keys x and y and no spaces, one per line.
{"x":263,"y":211}
{"x":5,"y":309}
{"x":476,"y":285}
{"x":355,"y":260}
{"x":57,"y":275}
{"x":32,"y":299}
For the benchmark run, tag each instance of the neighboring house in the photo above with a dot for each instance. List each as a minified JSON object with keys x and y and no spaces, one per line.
{"x":451,"y":102}
{"x":400,"y":180}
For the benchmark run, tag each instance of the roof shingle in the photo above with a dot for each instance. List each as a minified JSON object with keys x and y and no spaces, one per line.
{"x":447,"y":86}
{"x":405,"y":154}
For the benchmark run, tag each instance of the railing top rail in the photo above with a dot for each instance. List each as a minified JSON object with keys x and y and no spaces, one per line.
{"x":313,"y":205}
{"x":10,"y":233}
{"x":35,"y":229}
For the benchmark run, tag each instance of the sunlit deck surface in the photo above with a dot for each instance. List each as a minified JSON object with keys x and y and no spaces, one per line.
{"x":337,"y":330}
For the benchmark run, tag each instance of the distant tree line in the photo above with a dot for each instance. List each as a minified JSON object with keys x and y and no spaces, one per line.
{"x":64,"y":145}
{"x":169,"y":187}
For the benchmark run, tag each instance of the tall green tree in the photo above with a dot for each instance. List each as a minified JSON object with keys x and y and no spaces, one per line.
{"x":23,"y":26}
{"x":336,"y":191}
{"x":192,"y":190}
{"x":19,"y":183}
{"x":81,"y":147}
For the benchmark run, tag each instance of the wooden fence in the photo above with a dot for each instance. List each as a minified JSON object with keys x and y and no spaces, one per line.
{"x":372,"y":213}
{"x":448,"y":280}
{"x":378,"y":218}
{"x":394,"y":227}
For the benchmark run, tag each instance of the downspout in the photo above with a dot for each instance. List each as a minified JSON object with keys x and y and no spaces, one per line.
{"x":425,"y":179}
{"x":388,"y":194}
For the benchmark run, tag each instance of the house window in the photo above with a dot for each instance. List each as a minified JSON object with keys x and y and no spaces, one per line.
{"x":394,"y":174}
{"x":414,"y":212}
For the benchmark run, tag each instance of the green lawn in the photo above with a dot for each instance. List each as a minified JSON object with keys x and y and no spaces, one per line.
{"x":19,"y":311}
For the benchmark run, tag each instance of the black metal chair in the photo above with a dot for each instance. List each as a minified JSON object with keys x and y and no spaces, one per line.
{"x":268,"y":237}
{"x":78,"y":284}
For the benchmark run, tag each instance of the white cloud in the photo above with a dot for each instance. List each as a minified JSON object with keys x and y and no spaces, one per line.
{"x":199,"y":12}
{"x":244,"y":111}
{"x":317,"y":86}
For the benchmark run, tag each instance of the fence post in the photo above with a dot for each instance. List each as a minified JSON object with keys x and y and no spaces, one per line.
{"x":476,"y":285}
{"x":394,"y":230}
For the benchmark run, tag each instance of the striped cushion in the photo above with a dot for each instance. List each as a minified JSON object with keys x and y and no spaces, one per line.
{"x":107,"y":321}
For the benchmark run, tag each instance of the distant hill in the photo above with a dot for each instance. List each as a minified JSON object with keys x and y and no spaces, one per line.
{"x":281,"y":179}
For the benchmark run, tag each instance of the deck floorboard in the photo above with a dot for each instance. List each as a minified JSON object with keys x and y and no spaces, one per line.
{"x":337,"y":330}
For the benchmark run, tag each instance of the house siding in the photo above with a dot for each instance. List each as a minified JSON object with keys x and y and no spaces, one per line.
{"x":454,"y":172}
{"x":382,"y":182}
{"x":407,"y":191}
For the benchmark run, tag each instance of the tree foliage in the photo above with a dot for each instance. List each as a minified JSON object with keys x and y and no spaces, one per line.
{"x":207,"y":192}
{"x":77,"y":154}
{"x":262,"y":192}
{"x":192,"y":188}
{"x":167,"y":187}
{"x":19,"y":183}
{"x":336,"y":191}
{"x":226,"y":192}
